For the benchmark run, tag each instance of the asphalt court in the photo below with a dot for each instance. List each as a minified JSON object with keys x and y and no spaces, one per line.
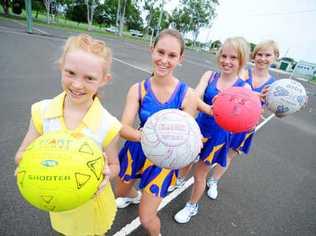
{"x":270,"y":192}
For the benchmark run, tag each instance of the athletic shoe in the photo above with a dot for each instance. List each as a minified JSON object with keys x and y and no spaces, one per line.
{"x":212,"y":191}
{"x":179,"y":183}
{"x":184,"y":215}
{"x":122,"y":202}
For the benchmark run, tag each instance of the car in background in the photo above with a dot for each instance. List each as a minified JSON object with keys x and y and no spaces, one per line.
{"x":136,"y":33}
{"x":112,"y":29}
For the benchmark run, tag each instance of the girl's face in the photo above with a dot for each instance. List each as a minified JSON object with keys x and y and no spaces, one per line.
{"x":82,"y":75}
{"x":264,"y":58}
{"x":166,"y":55}
{"x":228,"y":60}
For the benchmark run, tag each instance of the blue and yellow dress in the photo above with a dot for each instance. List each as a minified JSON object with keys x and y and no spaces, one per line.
{"x":241,"y":142}
{"x":133,"y":162}
{"x":96,"y":216}
{"x":215,"y":139}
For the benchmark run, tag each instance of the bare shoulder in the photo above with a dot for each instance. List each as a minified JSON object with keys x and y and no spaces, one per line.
{"x":207,"y":75}
{"x":243,"y":74}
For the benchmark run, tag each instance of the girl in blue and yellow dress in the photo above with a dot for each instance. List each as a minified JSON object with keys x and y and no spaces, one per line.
{"x":259,"y":80}
{"x":85,"y":68}
{"x":231,"y":58}
{"x":161,"y":91}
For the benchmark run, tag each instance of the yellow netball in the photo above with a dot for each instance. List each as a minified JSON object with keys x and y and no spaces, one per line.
{"x":60,"y":171}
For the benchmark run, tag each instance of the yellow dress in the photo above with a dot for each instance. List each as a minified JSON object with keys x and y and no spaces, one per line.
{"x":96,"y":216}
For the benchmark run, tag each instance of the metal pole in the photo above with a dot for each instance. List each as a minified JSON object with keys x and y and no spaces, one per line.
{"x":28,"y":7}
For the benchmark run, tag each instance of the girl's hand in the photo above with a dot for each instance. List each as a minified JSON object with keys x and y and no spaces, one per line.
{"x":211,"y":111}
{"x":107,"y":174}
{"x":264,"y":93}
{"x":18,"y":157}
{"x":214,"y":98}
{"x":140,"y":134}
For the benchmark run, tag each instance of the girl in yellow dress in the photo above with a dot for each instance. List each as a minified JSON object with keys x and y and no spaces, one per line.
{"x":85,"y":68}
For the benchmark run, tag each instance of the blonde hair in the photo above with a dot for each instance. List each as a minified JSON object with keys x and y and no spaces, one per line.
{"x":88,"y":44}
{"x":266,"y":44}
{"x":242,"y":48}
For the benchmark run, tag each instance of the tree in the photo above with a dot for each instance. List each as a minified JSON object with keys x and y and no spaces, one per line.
{"x":5,"y":4}
{"x":47,"y":6}
{"x":91,"y":5}
{"x":193,"y":15}
{"x":252,"y":46}
{"x":77,"y":12}
{"x":133,"y":16}
{"x":106,"y":13}
{"x":38,"y":6}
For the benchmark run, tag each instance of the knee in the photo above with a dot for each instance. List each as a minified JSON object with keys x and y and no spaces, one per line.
{"x":147,"y":220}
{"x":201,"y":172}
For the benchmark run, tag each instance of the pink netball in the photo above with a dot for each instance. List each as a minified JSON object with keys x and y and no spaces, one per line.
{"x":237,"y":109}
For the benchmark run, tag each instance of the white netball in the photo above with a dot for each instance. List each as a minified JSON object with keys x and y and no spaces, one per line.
{"x":171,"y":139}
{"x":286,"y":96}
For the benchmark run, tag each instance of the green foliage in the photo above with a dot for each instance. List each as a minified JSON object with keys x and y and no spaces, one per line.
{"x":77,"y":12}
{"x":153,"y":15}
{"x":193,"y":15}
{"x":133,"y":16}
{"x":252,"y":46}
{"x":106,"y":13}
{"x":17,"y":6}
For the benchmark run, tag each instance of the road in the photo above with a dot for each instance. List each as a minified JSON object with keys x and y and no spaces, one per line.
{"x":271,"y":191}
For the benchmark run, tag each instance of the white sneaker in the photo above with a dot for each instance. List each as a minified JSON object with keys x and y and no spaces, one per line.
{"x":122,"y":202}
{"x":212,"y":191}
{"x":179,"y":183}
{"x":184,"y":215}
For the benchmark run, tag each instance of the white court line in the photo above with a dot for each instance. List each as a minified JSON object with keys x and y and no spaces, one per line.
{"x":266,"y":120}
{"x":133,"y":66}
{"x":134,"y":224}
{"x":19,"y":23}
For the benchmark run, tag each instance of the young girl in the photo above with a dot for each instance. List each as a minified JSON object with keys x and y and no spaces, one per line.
{"x":85,"y":68}
{"x":259,"y":78}
{"x":231,"y":58}
{"x":161,"y":91}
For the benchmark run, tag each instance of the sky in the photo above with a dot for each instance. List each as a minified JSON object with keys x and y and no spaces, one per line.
{"x":291,"y":23}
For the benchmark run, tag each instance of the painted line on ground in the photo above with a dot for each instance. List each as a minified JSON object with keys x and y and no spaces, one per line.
{"x":266,"y":120}
{"x":133,"y":66}
{"x":7,"y":30}
{"x":134,"y":224}
{"x":37,"y":29}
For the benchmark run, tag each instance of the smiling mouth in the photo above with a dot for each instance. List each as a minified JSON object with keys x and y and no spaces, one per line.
{"x":75,"y":93}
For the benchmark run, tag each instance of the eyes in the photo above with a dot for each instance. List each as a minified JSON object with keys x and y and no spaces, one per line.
{"x":72,"y":74}
{"x":162,"y":52}
{"x":231,"y":57}
{"x":267,"y":55}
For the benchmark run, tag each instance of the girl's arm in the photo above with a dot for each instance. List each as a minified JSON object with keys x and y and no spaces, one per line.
{"x":189,"y":104}
{"x":112,"y":166}
{"x":111,"y":153}
{"x":199,"y":90}
{"x":29,"y":137}
{"x":204,"y":107}
{"x":244,"y":74}
{"x":131,"y":108}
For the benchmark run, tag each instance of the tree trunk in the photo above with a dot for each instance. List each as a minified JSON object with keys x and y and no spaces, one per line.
{"x":122,"y":19}
{"x":5,"y":5}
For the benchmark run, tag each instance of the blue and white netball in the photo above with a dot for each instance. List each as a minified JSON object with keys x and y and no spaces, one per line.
{"x":171,"y":139}
{"x":286,"y":96}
